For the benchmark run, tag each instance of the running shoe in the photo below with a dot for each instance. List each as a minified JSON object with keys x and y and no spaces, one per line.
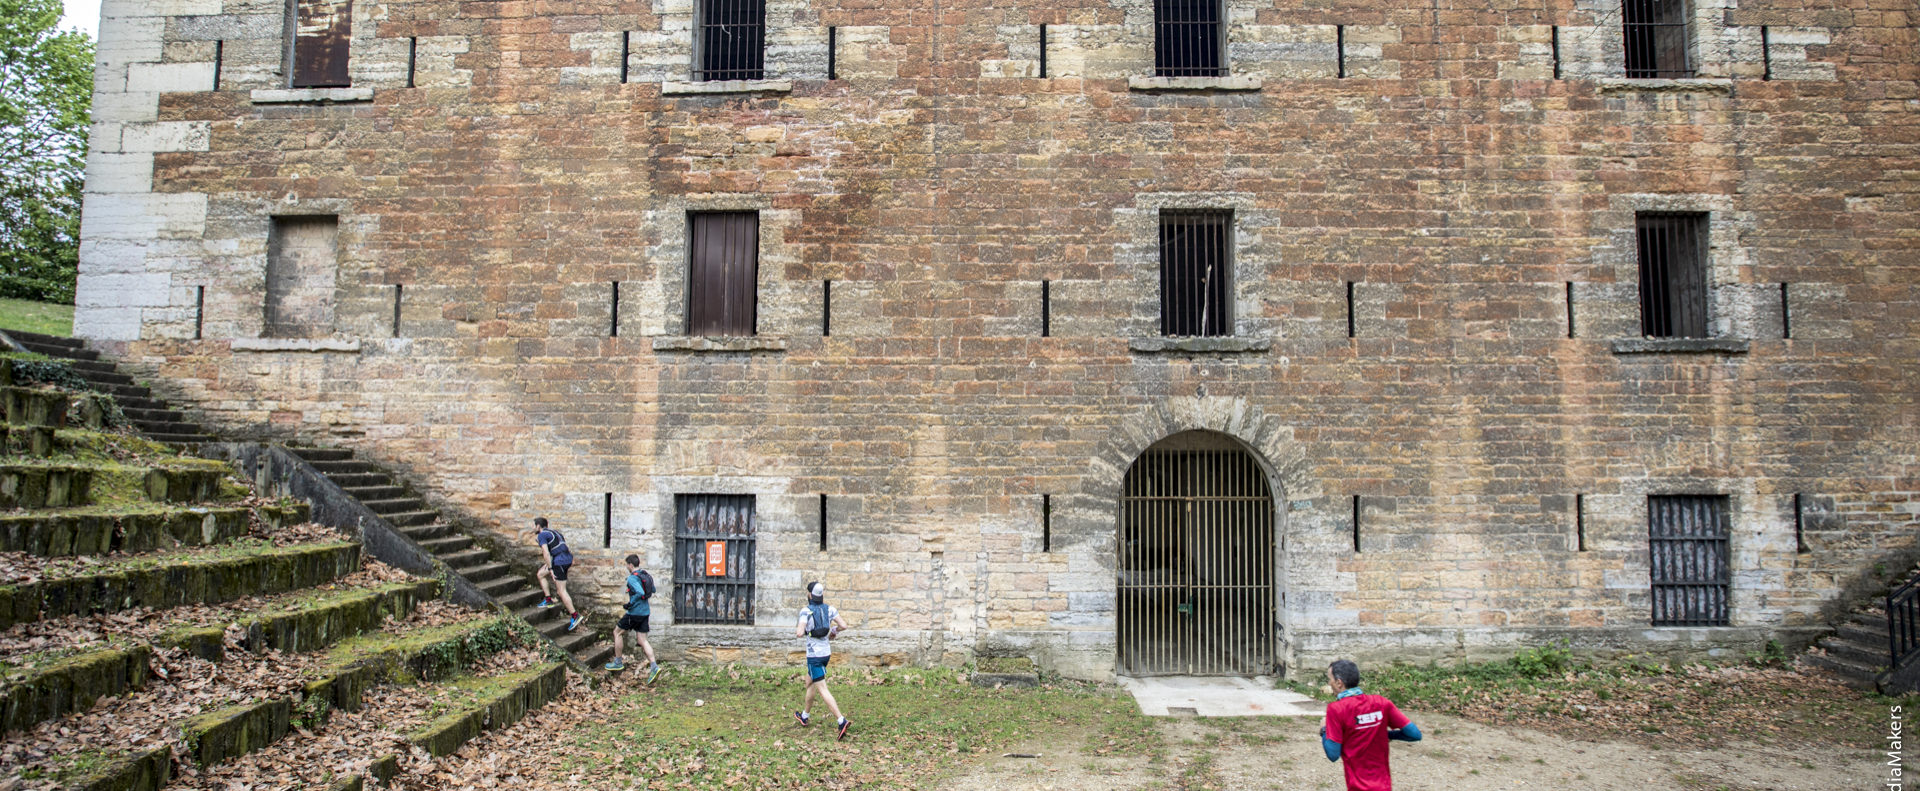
{"x":655,"y":673}
{"x":844,"y":724}
{"x":574,"y":621}
{"x":617,"y":664}
{"x":803,"y":718}
{"x":545,"y":602}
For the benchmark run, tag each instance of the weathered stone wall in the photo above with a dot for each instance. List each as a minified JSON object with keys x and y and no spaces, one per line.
{"x":1460,"y":188}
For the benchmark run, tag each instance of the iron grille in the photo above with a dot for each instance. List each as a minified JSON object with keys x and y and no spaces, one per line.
{"x":1903,"y":623}
{"x":701,"y":521}
{"x":1657,"y":41}
{"x":1673,"y":274}
{"x":1187,"y":39}
{"x":322,"y":37}
{"x":723,"y":268}
{"x":1196,"y":586}
{"x":1196,"y":273}
{"x":733,"y":40}
{"x":1687,"y":546}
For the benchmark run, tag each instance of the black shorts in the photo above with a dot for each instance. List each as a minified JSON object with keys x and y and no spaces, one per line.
{"x":634,"y":623}
{"x":560,"y":571}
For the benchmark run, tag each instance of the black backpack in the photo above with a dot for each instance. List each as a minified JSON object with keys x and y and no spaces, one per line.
{"x":646,"y":584}
{"x":817,"y":617}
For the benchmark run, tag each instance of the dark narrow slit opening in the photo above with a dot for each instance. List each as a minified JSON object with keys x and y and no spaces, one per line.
{"x":199,"y":310}
{"x":833,"y":48}
{"x":606,"y":523}
{"x":1349,"y":308}
{"x":1799,"y":526}
{"x":1580,"y":523}
{"x":413,"y":58}
{"x":1766,"y":54}
{"x":1046,"y":523}
{"x":1043,"y":50}
{"x":1786,"y":314}
{"x":823,"y":523}
{"x":1356,"y":524}
{"x":626,"y":51}
{"x":1569,"y":308}
{"x":219,"y":59}
{"x":1340,"y":49}
{"x":1046,"y":308}
{"x":396,"y":309}
{"x":613,"y":313}
{"x":1556,"y":52}
{"x":826,"y":308}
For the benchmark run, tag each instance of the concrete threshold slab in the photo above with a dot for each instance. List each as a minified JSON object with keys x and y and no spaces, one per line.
{"x":1213,"y":696}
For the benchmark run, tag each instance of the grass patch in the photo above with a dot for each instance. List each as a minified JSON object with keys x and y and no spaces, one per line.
{"x":1642,"y":701}
{"x":909,"y":726}
{"x":42,"y":317}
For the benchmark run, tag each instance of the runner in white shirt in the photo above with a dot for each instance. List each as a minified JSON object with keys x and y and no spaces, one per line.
{"x":819,"y":623}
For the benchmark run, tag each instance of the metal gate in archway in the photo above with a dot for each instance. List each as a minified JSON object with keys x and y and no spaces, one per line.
{"x":1196,"y":582}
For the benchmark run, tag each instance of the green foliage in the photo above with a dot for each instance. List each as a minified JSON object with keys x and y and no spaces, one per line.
{"x":46,"y":94}
{"x":1548,"y":660}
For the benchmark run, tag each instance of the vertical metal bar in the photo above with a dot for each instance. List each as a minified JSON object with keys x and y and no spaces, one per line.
{"x":199,"y":310}
{"x":219,"y":59}
{"x":1356,"y":524}
{"x":396,"y":309}
{"x":1046,"y":523}
{"x":823,"y":523}
{"x":833,"y":47}
{"x":626,"y":53}
{"x":826,"y":308}
{"x":613,"y":312}
{"x":413,"y":58}
{"x":1799,"y":525}
{"x":1580,"y":522}
{"x":1349,"y":308}
{"x":606,"y":523}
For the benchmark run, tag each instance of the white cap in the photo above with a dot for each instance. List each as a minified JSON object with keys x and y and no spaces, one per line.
{"x":817,"y":590}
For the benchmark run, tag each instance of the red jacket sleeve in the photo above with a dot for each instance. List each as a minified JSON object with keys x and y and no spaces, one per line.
{"x":1395,"y":719}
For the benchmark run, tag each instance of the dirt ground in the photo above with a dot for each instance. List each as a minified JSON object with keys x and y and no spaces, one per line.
{"x":1457,"y":755}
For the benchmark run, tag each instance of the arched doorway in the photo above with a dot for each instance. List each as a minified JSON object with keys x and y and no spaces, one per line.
{"x":1195,"y":594}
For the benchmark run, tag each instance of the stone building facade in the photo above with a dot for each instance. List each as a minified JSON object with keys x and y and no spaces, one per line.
{"x":470,"y":258}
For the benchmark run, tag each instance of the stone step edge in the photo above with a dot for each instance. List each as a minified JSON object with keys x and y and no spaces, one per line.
{"x":214,"y":733}
{"x":535,"y":689}
{"x":68,"y":535}
{"x":171,"y":585}
{"x":75,"y":683}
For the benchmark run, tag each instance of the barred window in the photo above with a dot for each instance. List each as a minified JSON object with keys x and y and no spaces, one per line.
{"x":713,"y":558}
{"x":1196,"y":272}
{"x":1188,"y":39}
{"x":1687,"y":547}
{"x":731,"y":39}
{"x":322,"y":37}
{"x":1673,"y":274}
{"x":723,"y":270}
{"x":1657,"y":38}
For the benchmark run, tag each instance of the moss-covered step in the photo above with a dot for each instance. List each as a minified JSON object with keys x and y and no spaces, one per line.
{"x":31,"y":696}
{"x":236,"y":730}
{"x":357,"y":663}
{"x":187,"y":481}
{"x":168,"y":580}
{"x":100,"y":532}
{"x":35,"y":406}
{"x":382,"y":769}
{"x":45,"y":485}
{"x":325,"y":618}
{"x":487,"y":702}
{"x":145,"y":770}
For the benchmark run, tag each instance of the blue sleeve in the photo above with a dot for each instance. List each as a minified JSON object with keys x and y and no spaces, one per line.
{"x":1330,"y":746}
{"x":1411,"y":733}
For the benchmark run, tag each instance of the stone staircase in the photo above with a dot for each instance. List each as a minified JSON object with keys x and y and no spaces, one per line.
{"x":373,"y":486}
{"x":152,"y":416}
{"x":184,"y":634}
{"x":1856,"y":651}
{"x":492,"y":574}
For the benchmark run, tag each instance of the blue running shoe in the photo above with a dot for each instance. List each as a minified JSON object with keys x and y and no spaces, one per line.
{"x":654,"y":674}
{"x":617,"y":664}
{"x":545,"y":602}
{"x":574,"y":620}
{"x":803,"y":718}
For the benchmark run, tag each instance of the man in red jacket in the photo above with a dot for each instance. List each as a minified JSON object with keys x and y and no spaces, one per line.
{"x":1358,"y":727}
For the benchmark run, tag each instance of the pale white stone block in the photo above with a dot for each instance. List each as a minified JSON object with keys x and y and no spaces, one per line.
{"x":120,"y":172}
{"x":105,"y":323}
{"x":126,"y":107}
{"x":130,"y":290}
{"x":169,"y":77}
{"x":104,"y":136}
{"x":142,"y":215}
{"x":1799,"y":36}
{"x":129,"y":39}
{"x":166,"y":136}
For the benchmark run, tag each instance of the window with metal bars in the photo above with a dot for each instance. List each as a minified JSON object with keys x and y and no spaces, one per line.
{"x":1188,"y":39}
{"x":713,"y":558}
{"x":731,"y":40}
{"x":1196,"y":272}
{"x":1687,"y":557}
{"x":1673,"y":274}
{"x":322,"y":37}
{"x":1658,"y":40}
{"x":723,"y":265}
